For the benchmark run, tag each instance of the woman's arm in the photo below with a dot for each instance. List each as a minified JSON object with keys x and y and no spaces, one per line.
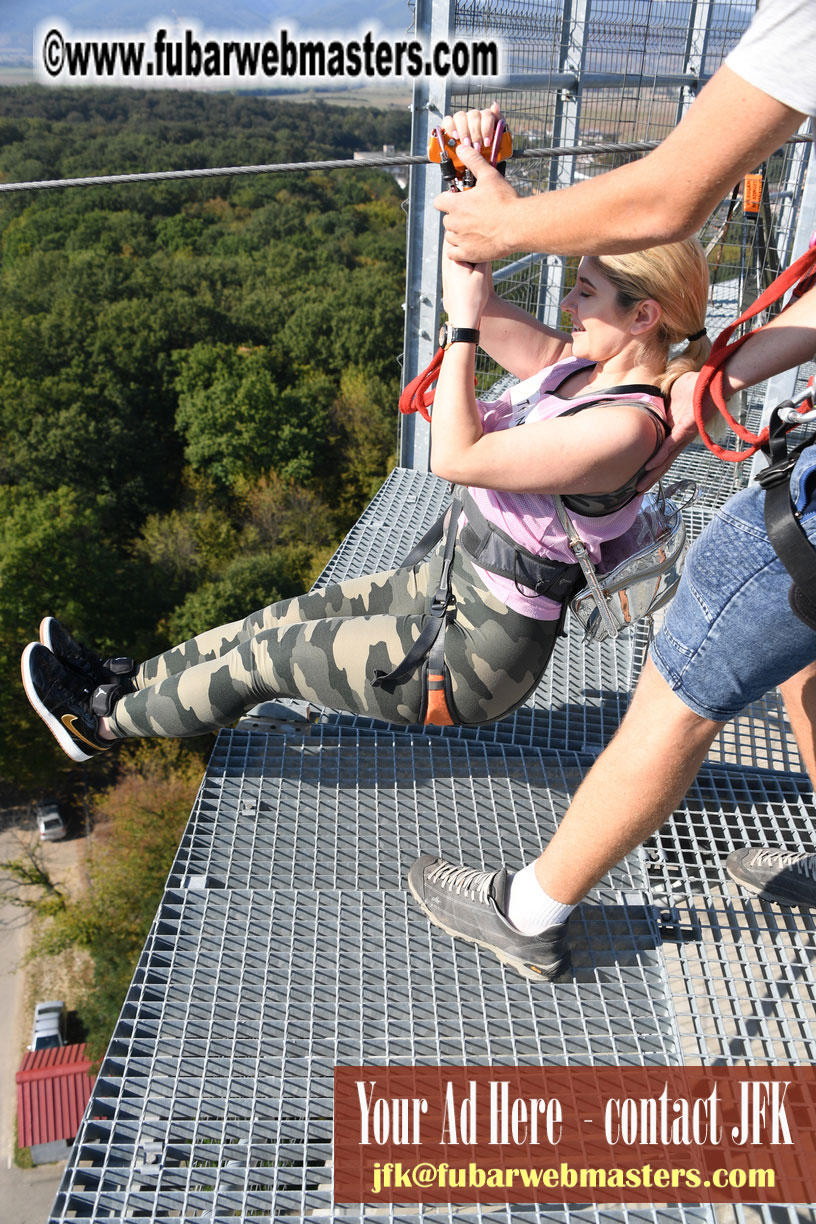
{"x":595,"y":451}
{"x":511,"y":336}
{"x":517,"y":341}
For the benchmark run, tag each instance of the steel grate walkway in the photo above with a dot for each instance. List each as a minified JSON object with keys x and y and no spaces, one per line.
{"x":286,"y":943}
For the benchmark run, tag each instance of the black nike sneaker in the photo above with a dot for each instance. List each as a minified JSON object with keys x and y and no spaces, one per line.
{"x":93,"y":670}
{"x":62,"y":702}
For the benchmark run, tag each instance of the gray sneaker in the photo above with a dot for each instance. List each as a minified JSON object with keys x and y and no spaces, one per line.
{"x":775,"y":875}
{"x":470,"y":905}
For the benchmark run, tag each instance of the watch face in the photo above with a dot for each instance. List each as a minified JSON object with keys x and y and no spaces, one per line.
{"x":443,"y":335}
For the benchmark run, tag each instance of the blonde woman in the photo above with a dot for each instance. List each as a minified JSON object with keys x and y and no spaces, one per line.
{"x":587,"y":416}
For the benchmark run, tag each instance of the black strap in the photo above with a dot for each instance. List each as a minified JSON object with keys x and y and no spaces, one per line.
{"x":785,"y":533}
{"x":597,"y":505}
{"x":430,"y":540}
{"x":492,"y":549}
{"x":437,"y":613}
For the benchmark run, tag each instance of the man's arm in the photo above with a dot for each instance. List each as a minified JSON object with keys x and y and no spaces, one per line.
{"x":663,"y":197}
{"x":785,"y":342}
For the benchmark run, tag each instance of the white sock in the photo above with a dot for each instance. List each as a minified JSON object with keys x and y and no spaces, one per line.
{"x":529,"y":908}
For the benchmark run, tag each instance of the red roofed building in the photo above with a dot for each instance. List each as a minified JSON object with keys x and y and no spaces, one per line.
{"x":53,"y":1087}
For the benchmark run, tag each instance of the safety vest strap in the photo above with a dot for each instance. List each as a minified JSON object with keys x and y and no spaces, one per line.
{"x":493,"y":550}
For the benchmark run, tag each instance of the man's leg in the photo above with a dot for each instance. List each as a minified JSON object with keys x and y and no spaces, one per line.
{"x":633,"y":787}
{"x":780,"y":873}
{"x":728,"y":637}
{"x":799,"y":695}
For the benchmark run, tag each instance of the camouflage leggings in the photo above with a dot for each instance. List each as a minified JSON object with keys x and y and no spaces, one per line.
{"x":325,"y":646}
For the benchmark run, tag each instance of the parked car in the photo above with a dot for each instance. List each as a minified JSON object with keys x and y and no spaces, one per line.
{"x":48,"y":1032}
{"x":50,"y":823}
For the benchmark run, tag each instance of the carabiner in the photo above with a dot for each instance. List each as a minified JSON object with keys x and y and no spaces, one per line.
{"x":789,"y":413}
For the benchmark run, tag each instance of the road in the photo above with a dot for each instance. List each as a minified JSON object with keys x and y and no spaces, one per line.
{"x":26,"y":1195}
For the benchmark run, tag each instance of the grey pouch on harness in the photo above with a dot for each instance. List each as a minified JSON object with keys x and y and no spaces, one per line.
{"x":639,"y":570}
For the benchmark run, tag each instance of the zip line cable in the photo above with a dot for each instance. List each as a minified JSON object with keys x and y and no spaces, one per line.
{"x":365,"y":161}
{"x":368,"y":161}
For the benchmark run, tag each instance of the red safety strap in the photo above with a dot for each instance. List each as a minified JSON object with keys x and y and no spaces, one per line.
{"x":418,"y":394}
{"x":801,"y":275}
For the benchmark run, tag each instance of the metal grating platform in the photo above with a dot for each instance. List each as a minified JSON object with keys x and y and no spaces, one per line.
{"x":221,"y":1117}
{"x":405,"y":507}
{"x":286,"y":943}
{"x":341,"y":809}
{"x":215,"y":1095}
{"x":717,"y":481}
{"x":741,"y":969}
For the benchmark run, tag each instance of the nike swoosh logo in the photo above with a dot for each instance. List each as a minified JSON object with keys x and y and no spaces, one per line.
{"x":69,"y":720}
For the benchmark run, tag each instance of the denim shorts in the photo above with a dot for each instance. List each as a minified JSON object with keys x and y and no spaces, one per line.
{"x":729,"y":633}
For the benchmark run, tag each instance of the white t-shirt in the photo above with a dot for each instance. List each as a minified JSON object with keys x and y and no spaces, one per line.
{"x":777,"y":53}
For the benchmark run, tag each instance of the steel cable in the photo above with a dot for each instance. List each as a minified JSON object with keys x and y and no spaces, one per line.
{"x":367,"y":160}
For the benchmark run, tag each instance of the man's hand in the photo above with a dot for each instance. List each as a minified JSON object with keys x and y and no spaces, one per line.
{"x":476,"y":220}
{"x":683,"y":429}
{"x":659,"y":464}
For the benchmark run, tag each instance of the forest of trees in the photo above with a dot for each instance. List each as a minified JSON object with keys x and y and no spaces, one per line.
{"x":197,"y":378}
{"x":198,"y":384}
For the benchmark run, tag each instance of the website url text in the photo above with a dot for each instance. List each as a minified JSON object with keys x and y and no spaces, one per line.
{"x":185,"y":55}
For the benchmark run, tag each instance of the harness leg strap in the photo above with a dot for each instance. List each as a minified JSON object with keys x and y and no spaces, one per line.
{"x":435,"y":622}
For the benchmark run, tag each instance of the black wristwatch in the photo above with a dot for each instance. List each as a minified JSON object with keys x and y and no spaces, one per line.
{"x":457,"y":335}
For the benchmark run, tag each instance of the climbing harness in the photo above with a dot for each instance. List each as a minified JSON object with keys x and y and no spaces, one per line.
{"x":638,"y":574}
{"x":782,"y":517}
{"x":491,"y":549}
{"x":639,"y":571}
{"x":429,"y":648}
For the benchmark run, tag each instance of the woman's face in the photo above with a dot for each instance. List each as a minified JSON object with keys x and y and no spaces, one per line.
{"x":600,"y":329}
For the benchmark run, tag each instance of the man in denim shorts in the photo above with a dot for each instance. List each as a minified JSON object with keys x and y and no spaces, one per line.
{"x":730,"y":633}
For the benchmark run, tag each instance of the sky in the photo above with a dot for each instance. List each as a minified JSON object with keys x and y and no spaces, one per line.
{"x":19,"y":18}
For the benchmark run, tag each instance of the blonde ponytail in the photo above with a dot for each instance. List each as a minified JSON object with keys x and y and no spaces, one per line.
{"x":676,"y":277}
{"x":691,"y":358}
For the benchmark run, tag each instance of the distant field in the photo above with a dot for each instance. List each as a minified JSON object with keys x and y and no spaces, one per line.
{"x":16,"y":76}
{"x":619,"y":114}
{"x":384,"y":97}
{"x":611,"y":114}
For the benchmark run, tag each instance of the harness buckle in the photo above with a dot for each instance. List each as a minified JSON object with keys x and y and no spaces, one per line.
{"x":774,"y":475}
{"x":440,"y":607}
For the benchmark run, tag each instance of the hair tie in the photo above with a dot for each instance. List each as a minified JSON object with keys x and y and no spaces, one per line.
{"x":697,"y":335}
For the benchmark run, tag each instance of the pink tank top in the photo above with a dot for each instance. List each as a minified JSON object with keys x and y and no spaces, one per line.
{"x":530,"y":518}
